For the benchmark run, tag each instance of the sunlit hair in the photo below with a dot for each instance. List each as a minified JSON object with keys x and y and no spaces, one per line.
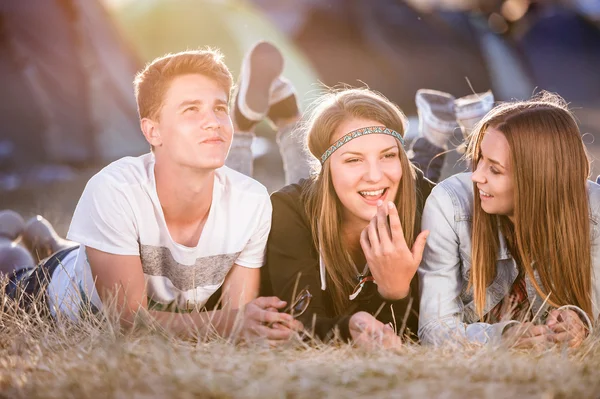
{"x":152,"y":82}
{"x":551,"y":232}
{"x":323,"y":206}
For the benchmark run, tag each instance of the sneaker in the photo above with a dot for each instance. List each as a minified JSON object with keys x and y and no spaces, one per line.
{"x":281,"y":89}
{"x":282,"y":101}
{"x":14,"y":257}
{"x":41,"y":239}
{"x":437,"y":120}
{"x":470,"y":109}
{"x":11,"y":224}
{"x":261,"y":68}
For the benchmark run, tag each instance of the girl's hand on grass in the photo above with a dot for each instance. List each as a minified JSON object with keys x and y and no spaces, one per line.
{"x":263,"y":321}
{"x":369,"y":333}
{"x":392,"y":263}
{"x":567,"y":327}
{"x":527,"y":336}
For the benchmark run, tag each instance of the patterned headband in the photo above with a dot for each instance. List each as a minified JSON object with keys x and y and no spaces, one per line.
{"x":358,"y":133}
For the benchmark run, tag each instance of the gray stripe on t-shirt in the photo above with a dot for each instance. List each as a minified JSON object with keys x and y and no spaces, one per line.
{"x":210,"y":270}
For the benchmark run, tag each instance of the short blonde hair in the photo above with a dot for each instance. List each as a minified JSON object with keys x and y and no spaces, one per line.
{"x":151,"y":84}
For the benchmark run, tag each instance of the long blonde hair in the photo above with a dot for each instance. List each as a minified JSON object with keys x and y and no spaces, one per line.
{"x":323,"y":207}
{"x":551,"y":231}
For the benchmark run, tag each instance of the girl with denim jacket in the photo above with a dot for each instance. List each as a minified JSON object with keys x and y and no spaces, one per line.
{"x":513,"y":251}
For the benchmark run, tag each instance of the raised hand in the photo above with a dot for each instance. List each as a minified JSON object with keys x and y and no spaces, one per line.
{"x":391,"y":262}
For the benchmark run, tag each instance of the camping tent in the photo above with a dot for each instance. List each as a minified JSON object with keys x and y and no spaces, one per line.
{"x":66,"y":81}
{"x":157,"y":27}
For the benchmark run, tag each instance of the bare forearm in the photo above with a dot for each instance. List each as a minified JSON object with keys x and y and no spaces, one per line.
{"x":241,"y":286}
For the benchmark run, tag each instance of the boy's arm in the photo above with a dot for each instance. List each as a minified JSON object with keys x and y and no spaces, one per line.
{"x":243,"y":280}
{"x":241,"y":286}
{"x":120,"y":278}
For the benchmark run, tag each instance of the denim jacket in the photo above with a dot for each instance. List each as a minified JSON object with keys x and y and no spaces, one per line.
{"x":447,"y":309}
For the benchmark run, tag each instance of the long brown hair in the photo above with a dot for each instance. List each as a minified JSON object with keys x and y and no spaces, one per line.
{"x":323,"y":207}
{"x":551,"y":232}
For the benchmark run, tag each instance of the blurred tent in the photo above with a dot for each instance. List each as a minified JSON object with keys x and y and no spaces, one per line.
{"x":563,"y":51}
{"x":157,"y":27}
{"x":67,"y":79}
{"x":390,"y":46}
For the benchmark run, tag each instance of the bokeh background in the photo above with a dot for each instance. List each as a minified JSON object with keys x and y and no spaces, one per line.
{"x":66,"y":70}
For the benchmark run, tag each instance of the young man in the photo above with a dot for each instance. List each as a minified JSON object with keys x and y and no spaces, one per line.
{"x":164,"y":231}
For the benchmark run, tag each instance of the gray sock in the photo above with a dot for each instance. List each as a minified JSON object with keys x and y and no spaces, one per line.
{"x":470,"y":109}
{"x":437,"y":120}
{"x":240,"y":154}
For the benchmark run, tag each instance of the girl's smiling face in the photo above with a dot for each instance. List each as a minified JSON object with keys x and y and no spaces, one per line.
{"x":493,"y":175}
{"x":364,"y":170}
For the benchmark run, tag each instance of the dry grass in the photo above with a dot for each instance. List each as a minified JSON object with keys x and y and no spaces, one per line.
{"x":93,"y":359}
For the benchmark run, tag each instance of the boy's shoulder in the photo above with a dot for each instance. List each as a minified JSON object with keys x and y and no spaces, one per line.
{"x":238,"y":184}
{"x":126,"y":171}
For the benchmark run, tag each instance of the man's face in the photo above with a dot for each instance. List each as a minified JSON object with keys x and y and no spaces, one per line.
{"x":194,"y":128}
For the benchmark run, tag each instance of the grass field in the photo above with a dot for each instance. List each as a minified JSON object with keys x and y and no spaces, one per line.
{"x":94,"y":360}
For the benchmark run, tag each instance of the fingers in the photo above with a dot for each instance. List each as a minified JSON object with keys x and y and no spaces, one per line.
{"x":527,"y":330}
{"x":395,"y":225}
{"x":419,"y":246}
{"x":390,"y":339}
{"x":271,"y":317}
{"x":536,"y":331}
{"x":373,"y":335}
{"x":273,"y":332}
{"x":362,"y":322}
{"x":565,"y":332}
{"x":552,"y":318}
{"x":264,"y":316}
{"x":566,"y":320}
{"x":531,"y":342}
{"x":574,"y":340}
{"x":293,"y":326}
{"x":364,"y":241}
{"x":265,"y":302}
{"x":529,"y":335}
{"x":567,"y":327}
{"x":382,"y":225}
{"x":280,"y":333}
{"x":373,"y":235}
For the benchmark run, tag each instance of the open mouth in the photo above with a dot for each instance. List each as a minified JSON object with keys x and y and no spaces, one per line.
{"x":484,"y":194}
{"x":373,"y":195}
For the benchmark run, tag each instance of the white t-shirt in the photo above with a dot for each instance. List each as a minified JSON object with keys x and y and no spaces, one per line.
{"x":119,"y":212}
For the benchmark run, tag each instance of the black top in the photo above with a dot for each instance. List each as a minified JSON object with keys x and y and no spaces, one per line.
{"x":290,"y":251}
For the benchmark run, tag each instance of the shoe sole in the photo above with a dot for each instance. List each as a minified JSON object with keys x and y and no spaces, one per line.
{"x":267,"y":59}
